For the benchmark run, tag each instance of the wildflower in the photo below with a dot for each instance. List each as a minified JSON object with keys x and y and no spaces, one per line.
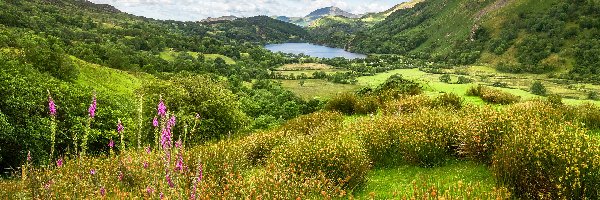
{"x":121,"y":176}
{"x":169,"y":181}
{"x":92,"y":109}
{"x":162,"y":195}
{"x":148,"y":150}
{"x":119,"y":127}
{"x":179,"y":165}
{"x":145,"y":164}
{"x":155,"y":122}
{"x":59,"y":162}
{"x":149,"y":190}
{"x":102,"y":191}
{"x":51,"y":106}
{"x":171,"y":122}
{"x":28,"y":156}
{"x":166,"y":138}
{"x":162,"y":109}
{"x":111,"y":144}
{"x":197,"y":116}
{"x":178,"y":143}
{"x":93,"y":172}
{"x":48,"y":184}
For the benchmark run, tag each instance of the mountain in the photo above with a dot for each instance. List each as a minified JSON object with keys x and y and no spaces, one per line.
{"x":315,"y":15}
{"x":556,"y":37}
{"x":223,"y":18}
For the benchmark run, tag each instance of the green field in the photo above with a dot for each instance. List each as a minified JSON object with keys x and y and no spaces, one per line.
{"x":316,"y":88}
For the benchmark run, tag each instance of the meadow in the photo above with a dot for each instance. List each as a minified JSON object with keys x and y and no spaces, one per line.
{"x":414,"y":147}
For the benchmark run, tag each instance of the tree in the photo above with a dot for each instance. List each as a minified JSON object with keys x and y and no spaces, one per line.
{"x":445,"y":78}
{"x":301,"y":82}
{"x":538,"y":88}
{"x":593,"y":95}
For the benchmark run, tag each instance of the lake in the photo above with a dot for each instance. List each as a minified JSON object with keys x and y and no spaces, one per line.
{"x":313,"y":50}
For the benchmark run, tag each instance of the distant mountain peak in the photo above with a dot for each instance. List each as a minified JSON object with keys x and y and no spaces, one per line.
{"x":330,"y":11}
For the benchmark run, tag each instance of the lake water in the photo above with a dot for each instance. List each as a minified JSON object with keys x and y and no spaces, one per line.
{"x":313,"y":50}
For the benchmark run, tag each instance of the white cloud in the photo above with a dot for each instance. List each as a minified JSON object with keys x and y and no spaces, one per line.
{"x":194,"y":10}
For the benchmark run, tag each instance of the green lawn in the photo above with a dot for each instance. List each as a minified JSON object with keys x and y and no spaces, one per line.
{"x":396,"y":182}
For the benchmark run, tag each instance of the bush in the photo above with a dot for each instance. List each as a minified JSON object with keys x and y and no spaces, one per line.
{"x":494,"y":96}
{"x":258,"y":146}
{"x":538,"y":88}
{"x":341,"y":160}
{"x":344,"y":103}
{"x":555,"y":100}
{"x":464,"y":80}
{"x":366,"y":105}
{"x":407,"y":104}
{"x":425,"y":138}
{"x":449,"y":100}
{"x":593,"y":95}
{"x":445,"y":78}
{"x":314,"y":124}
{"x":554,"y":160}
{"x":480,"y":132}
{"x":396,"y":86}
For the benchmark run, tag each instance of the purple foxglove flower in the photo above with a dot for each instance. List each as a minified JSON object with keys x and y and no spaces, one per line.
{"x":148,"y":150}
{"x":171,"y":122}
{"x":120,"y":127}
{"x":166,"y":138}
{"x":162,"y":195}
{"x":145,"y":165}
{"x":111,"y":144}
{"x":200,"y":175}
{"x":28,"y":156}
{"x":102,"y":191}
{"x":59,"y":162}
{"x":51,"y":106}
{"x":178,"y":144}
{"x":162,"y":109}
{"x":93,"y":172}
{"x":92,"y":109}
{"x":149,"y":190}
{"x":169,"y":181}
{"x":48,"y":184}
{"x":155,"y":122}
{"x":179,"y":165}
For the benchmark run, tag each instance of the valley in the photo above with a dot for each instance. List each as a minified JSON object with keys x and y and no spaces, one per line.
{"x":425,"y":99}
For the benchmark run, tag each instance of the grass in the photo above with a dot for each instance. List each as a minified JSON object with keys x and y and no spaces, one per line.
{"x":169,"y":55}
{"x":113,"y":80}
{"x":317,"y":88}
{"x":393,"y":182}
{"x":304,"y":66}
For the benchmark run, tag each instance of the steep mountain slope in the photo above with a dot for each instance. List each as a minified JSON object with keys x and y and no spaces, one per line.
{"x":260,"y":28}
{"x":514,"y":35}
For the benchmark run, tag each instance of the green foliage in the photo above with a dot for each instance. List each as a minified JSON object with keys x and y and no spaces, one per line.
{"x":535,"y":162}
{"x":538,"y":88}
{"x":187,"y":95}
{"x":341,"y":160}
{"x":449,"y":100}
{"x":593,"y":95}
{"x":464,"y":80}
{"x":445,"y":78}
{"x":494,"y":96}
{"x":555,"y":100}
{"x":344,"y":103}
{"x":314,"y":124}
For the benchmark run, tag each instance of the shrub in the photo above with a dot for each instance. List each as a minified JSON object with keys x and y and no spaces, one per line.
{"x":464,"y":80}
{"x":425,"y":138}
{"x":407,"y":104}
{"x":445,"y":78}
{"x":480,"y":131}
{"x":554,"y":160}
{"x":494,"y":96}
{"x":314,"y":124}
{"x":593,"y":95}
{"x":500,"y":84}
{"x":396,"y":86}
{"x":366,"y":105}
{"x":449,"y":100}
{"x":538,"y":88}
{"x":341,"y":160}
{"x":258,"y":146}
{"x":344,"y":103}
{"x":555,"y":100}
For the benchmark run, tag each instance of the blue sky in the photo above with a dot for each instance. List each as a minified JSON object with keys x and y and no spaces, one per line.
{"x":195,"y":10}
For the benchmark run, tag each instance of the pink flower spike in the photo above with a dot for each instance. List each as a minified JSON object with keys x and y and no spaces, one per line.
{"x":111,"y":144}
{"x":120,"y":127}
{"x":51,"y":106}
{"x":149,"y":190}
{"x":162,"y":109}
{"x":92,"y":109}
{"x":28,"y":156}
{"x":59,"y":162}
{"x":155,"y":122}
{"x":148,"y":150}
{"x":102,"y":191}
{"x":93,"y":172}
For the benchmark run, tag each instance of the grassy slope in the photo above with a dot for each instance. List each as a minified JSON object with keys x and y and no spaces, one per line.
{"x":317,"y":88}
{"x":395,"y":182}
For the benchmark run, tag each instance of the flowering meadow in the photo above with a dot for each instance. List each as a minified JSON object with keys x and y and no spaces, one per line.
{"x":535,"y":149}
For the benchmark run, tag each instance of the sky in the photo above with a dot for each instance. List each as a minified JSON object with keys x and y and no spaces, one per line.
{"x":196,"y":10}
